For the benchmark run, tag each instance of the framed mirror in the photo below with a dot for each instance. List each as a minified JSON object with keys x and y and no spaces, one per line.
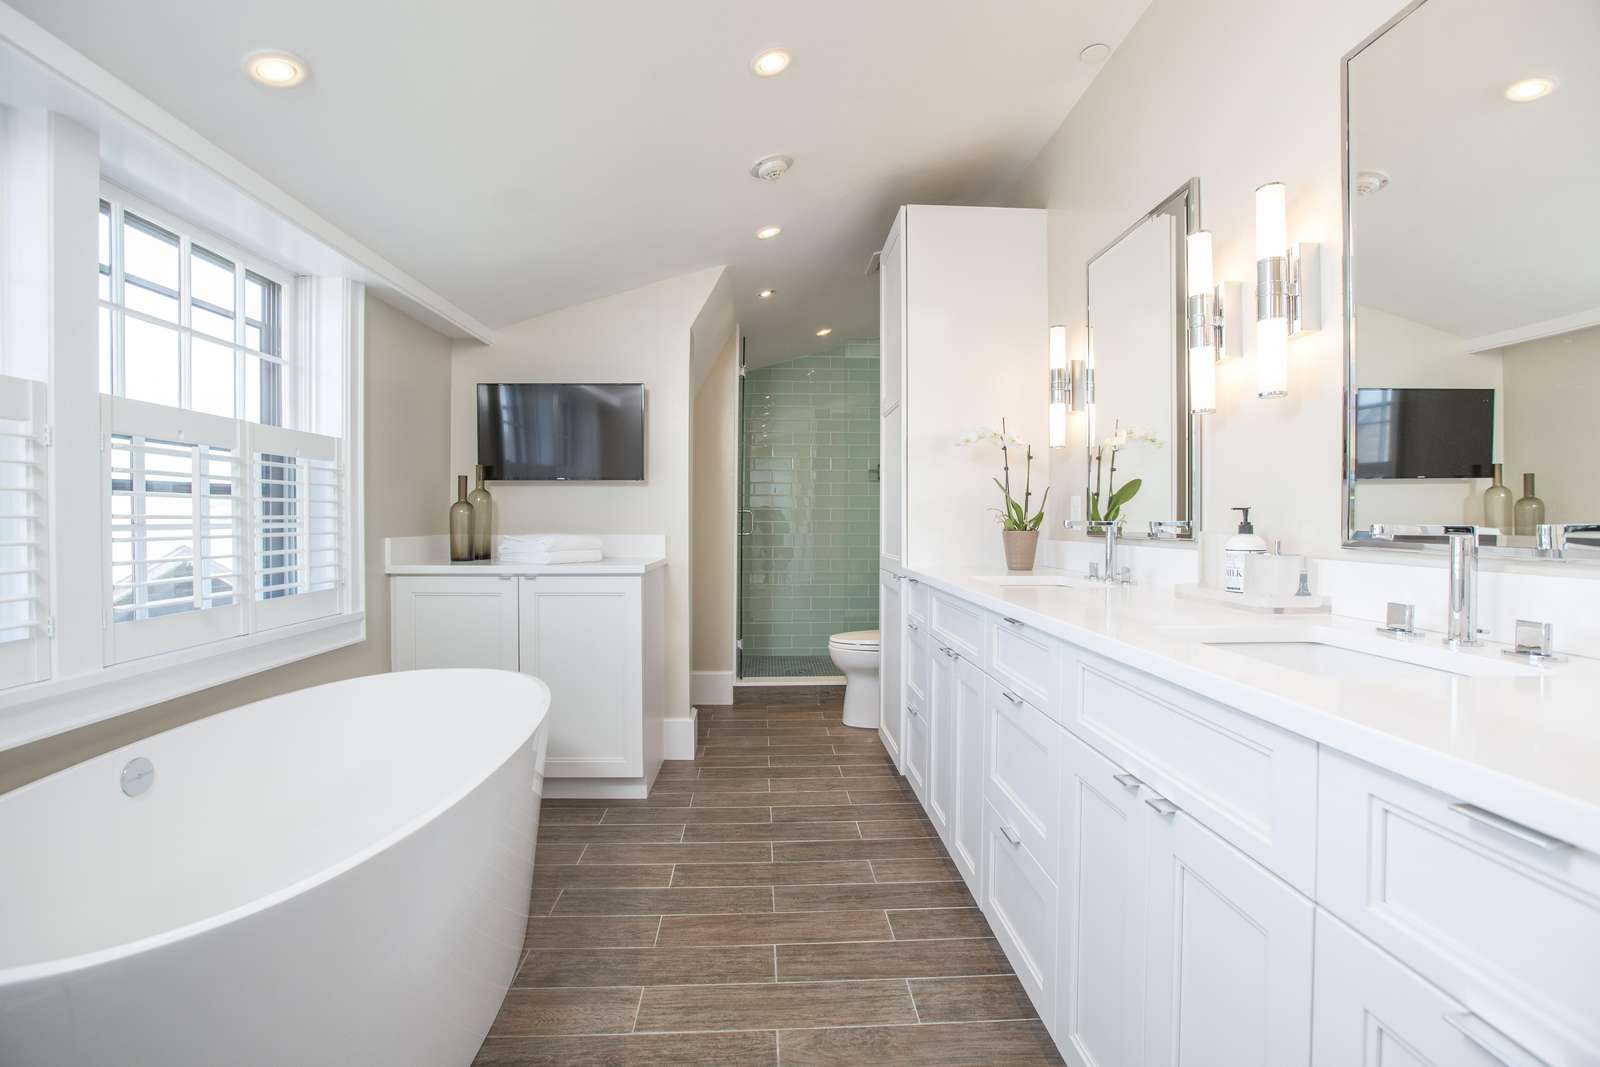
{"x":1143,"y":447}
{"x":1472,"y":274}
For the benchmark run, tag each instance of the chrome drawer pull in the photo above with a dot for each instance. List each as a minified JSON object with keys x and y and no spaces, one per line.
{"x":1502,"y":1048}
{"x":1127,"y":781}
{"x":1010,"y":834}
{"x":911,"y":626}
{"x":1162,"y":806}
{"x":1010,"y":621}
{"x":913,"y":712}
{"x":1506,"y":826}
{"x":1011,"y":697}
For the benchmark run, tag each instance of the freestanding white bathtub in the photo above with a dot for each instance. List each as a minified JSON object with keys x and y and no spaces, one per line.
{"x":335,"y":876}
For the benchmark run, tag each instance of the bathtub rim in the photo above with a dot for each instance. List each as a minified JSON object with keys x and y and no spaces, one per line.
{"x":55,"y":968}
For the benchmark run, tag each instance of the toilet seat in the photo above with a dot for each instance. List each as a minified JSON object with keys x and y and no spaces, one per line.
{"x":863,"y":640}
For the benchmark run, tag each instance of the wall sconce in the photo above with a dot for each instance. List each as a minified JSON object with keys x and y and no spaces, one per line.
{"x":1060,"y":387}
{"x":1213,"y":323}
{"x":1288,"y":290}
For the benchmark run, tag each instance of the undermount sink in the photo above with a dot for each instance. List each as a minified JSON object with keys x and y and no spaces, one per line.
{"x":1326,"y":651}
{"x":1038,"y":581}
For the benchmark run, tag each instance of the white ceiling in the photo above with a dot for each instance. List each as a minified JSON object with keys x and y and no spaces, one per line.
{"x":1489,"y":224}
{"x":522,"y":155}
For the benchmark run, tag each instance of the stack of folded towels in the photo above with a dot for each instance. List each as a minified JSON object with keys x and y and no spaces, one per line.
{"x":549,"y":548}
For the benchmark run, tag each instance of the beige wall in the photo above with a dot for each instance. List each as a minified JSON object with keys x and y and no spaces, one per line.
{"x":716,"y":477}
{"x":1234,"y":93}
{"x":407,"y":492}
{"x":1550,"y":430}
{"x":642,"y":335}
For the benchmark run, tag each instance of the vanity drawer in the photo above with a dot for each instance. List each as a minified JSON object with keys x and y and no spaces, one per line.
{"x":917,"y":662}
{"x":1025,"y":661}
{"x":1247,"y":781}
{"x":1022,"y":771}
{"x":916,"y":594}
{"x":1501,"y":917}
{"x":957,"y":624}
{"x":1370,"y":1010}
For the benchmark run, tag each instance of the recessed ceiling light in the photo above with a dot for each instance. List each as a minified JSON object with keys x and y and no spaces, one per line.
{"x":771,"y":63}
{"x":766,"y":294}
{"x":279,"y":70}
{"x":1530,"y":89}
{"x":767,"y":233}
{"x":1095,"y":54}
{"x":825,"y":331}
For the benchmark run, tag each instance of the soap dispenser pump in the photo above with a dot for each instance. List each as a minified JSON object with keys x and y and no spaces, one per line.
{"x":1240,"y":546}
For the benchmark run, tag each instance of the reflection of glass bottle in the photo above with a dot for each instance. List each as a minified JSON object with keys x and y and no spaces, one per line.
{"x":482,"y":512}
{"x":1497,"y":503}
{"x":461,"y":524}
{"x":1529,"y":510}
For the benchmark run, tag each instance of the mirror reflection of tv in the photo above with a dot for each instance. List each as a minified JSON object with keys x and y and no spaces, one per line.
{"x":1424,"y":433}
{"x":539,"y":432}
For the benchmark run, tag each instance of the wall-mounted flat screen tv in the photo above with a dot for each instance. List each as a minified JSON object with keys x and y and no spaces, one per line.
{"x":1424,"y":433}
{"x":538,"y":432}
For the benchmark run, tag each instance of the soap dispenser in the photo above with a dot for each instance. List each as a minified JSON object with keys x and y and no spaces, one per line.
{"x":1240,"y":547}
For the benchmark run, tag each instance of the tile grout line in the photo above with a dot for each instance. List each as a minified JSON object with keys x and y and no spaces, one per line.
{"x":640,"y":1004}
{"x":909,"y":994}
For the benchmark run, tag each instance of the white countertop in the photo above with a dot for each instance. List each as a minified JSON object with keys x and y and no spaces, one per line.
{"x":1525,"y":744}
{"x":625,"y":554}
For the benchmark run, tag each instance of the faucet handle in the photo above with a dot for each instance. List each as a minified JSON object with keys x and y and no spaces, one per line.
{"x":1534,"y":640}
{"x":1094,"y":572}
{"x":1400,"y":620}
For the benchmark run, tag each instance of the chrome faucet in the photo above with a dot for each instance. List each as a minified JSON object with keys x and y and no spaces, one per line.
{"x":1461,"y":610}
{"x":1113,"y":534}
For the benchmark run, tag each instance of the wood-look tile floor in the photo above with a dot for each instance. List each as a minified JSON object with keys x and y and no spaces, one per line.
{"x":781,"y":899}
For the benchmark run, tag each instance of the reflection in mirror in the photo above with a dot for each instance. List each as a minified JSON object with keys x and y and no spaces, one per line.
{"x":1473,"y":281}
{"x":1143,"y":460}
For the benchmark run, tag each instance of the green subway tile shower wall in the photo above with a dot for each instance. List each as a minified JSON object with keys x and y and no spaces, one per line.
{"x":811,"y":482}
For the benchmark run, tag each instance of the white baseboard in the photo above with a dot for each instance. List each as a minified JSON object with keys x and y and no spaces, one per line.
{"x":711,"y":687}
{"x":677,"y":735}
{"x":595,"y":789}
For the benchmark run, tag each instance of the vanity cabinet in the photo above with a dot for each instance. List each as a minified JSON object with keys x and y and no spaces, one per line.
{"x":595,"y":640}
{"x":916,"y":747}
{"x":955,"y":702}
{"x":453,"y":622}
{"x":891,"y":662}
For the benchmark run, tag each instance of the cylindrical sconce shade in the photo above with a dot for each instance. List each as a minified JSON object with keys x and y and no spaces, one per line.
{"x":1201,"y":281}
{"x":1060,"y":387}
{"x":1272,"y":358}
{"x":1058,"y":426}
{"x":1058,"y":347}
{"x":1272,"y":227}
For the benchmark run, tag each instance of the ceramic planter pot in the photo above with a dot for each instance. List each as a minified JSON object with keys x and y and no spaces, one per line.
{"x":1021,"y":547}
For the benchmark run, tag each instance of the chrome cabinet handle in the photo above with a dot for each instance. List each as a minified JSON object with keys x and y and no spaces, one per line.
{"x":1162,"y":806}
{"x":1011,"y":697}
{"x":913,"y":712}
{"x":914,"y":581}
{"x":1010,"y":834}
{"x":1127,"y":781}
{"x":1506,"y":826}
{"x":1502,"y":1048}
{"x":1009,"y":620}
{"x":911,"y":626}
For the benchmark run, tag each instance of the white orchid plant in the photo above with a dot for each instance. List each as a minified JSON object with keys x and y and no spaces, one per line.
{"x":1014,"y":515}
{"x":1105,"y":451}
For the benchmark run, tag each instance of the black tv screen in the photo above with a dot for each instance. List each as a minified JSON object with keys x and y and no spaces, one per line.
{"x":580,"y":433}
{"x":1424,"y":433}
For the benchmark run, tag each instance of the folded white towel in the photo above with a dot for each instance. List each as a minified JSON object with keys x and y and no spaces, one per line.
{"x":551,"y":542}
{"x":592,"y":555}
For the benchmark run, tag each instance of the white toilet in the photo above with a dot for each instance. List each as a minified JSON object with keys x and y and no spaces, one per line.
{"x":856,"y":654}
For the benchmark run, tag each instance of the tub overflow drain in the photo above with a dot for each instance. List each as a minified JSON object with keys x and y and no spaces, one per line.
{"x":138,"y":776}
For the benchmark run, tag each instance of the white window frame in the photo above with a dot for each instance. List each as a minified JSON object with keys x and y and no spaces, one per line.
{"x":296,"y":395}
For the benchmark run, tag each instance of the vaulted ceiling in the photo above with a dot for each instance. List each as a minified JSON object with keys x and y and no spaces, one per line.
{"x":523,"y":155}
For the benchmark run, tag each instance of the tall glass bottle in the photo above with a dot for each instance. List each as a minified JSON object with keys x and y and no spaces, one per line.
{"x":1497,"y":500}
{"x":461,"y":524}
{"x":482,"y":517}
{"x":1529,"y":510}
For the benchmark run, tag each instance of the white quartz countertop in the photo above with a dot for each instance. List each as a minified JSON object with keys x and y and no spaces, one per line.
{"x":1523,"y":741}
{"x":430,"y":555}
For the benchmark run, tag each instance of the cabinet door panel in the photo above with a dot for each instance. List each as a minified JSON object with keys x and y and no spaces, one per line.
{"x":1022,"y":769}
{"x":1101,"y":958}
{"x":1229,"y":964}
{"x":891,"y":663}
{"x":918,"y":750}
{"x":966,"y":816}
{"x":941,"y":741}
{"x":581,"y":636}
{"x":891,"y":487}
{"x":453,"y":622}
{"x":891,"y":319}
{"x":1373,"y":1011}
{"x":1019,"y":901}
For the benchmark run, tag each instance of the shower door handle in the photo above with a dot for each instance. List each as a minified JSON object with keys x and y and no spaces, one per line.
{"x":743,"y":532}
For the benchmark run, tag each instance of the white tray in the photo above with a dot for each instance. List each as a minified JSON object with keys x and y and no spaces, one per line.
{"x":1277,"y":605}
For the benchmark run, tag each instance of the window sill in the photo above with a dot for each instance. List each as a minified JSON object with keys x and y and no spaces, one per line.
{"x":31,"y":712}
